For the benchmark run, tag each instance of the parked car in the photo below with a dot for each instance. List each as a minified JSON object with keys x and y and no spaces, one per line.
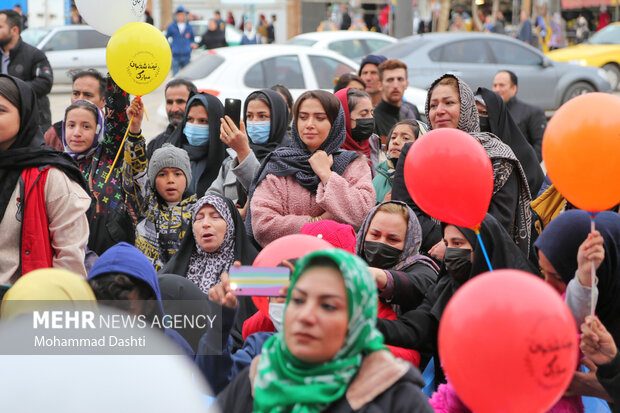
{"x":354,"y":44}
{"x":477,"y":57}
{"x":601,"y":50}
{"x":233,"y":35}
{"x":236,"y":72}
{"x":69,"y":47}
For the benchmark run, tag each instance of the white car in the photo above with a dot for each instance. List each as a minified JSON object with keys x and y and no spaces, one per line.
{"x":69,"y":48}
{"x":235,"y":72}
{"x":354,"y":44}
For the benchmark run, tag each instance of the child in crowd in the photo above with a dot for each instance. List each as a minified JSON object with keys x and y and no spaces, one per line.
{"x":163,"y":203}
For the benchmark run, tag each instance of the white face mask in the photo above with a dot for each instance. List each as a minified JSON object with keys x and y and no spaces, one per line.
{"x":276,"y":314}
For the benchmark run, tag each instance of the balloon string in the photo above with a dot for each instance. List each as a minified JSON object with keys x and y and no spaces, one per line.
{"x":144,"y":109}
{"x":484,"y":250}
{"x":592,"y":270}
{"x":120,"y":150}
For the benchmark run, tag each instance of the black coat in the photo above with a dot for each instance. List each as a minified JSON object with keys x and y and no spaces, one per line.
{"x":532,"y":122}
{"x":609,"y":376}
{"x":411,"y":285}
{"x":158,"y":141}
{"x":30,"y":65}
{"x":387,"y":115}
{"x":403,"y":396}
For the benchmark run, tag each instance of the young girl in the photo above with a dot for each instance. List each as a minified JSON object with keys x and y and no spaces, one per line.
{"x":43,"y":196}
{"x":93,"y":143}
{"x":404,"y":131}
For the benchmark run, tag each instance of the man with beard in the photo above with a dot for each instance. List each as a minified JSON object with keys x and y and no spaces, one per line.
{"x":87,"y":85}
{"x":177,"y":92}
{"x":369,"y":72}
{"x":25,"y":62}
{"x":392,"y":108}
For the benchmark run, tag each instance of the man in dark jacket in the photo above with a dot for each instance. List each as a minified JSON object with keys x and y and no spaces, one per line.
{"x":392,"y":108}
{"x":530,"y":119}
{"x":25,"y":62}
{"x":177,"y":92}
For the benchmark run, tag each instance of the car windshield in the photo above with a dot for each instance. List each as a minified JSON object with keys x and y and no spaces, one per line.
{"x":201,"y":67}
{"x":402,"y":48}
{"x":301,"y":42}
{"x":608,"y":35}
{"x":34,"y":36}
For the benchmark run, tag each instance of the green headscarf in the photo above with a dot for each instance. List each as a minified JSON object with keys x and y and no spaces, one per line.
{"x":285,"y":384}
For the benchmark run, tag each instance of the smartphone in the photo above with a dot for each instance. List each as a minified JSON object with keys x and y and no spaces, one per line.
{"x":258,"y":281}
{"x":232,"y":108}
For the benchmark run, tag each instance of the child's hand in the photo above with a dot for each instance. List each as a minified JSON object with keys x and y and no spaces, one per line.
{"x":135,"y":110}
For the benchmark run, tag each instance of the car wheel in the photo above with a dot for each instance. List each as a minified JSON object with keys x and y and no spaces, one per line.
{"x":576,"y":89}
{"x":612,"y":71}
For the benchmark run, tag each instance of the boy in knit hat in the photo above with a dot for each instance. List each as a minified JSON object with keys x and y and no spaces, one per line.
{"x":163,"y":204}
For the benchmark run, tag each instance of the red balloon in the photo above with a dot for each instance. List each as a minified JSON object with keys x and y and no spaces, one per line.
{"x":508,"y":343}
{"x":449,"y":175}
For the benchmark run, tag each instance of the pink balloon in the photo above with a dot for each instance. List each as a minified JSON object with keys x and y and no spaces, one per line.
{"x":289,"y":247}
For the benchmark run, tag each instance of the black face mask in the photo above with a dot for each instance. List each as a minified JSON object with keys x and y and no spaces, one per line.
{"x":485,"y":126}
{"x":458,"y":263}
{"x":364,"y":127}
{"x":380,"y":255}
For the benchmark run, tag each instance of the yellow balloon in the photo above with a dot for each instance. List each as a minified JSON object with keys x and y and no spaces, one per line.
{"x":138,"y":58}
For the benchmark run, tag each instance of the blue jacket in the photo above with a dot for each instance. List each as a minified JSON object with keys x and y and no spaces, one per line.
{"x":127,"y":259}
{"x":180,"y":43}
{"x":221,"y":368}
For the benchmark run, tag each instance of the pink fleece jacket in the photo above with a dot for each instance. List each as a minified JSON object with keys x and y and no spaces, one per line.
{"x":281,"y":206}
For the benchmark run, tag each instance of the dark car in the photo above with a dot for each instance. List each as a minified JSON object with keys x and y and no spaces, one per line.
{"x":477,"y":57}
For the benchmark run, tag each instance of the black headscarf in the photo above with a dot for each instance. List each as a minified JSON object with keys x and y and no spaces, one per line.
{"x":293,"y":160}
{"x":502,"y":251}
{"x":560,"y":242}
{"x":279,"y":123}
{"x":181,"y":296}
{"x":215,"y":153}
{"x":431,"y":232}
{"x":29,"y":151}
{"x":504,"y":127}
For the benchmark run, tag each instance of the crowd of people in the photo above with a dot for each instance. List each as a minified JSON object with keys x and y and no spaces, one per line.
{"x":170,"y":218}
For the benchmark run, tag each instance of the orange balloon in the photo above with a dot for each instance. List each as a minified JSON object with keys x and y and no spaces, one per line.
{"x":581,"y":150}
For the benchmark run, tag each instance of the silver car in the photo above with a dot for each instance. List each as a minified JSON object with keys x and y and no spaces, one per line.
{"x":68,"y":48}
{"x":477,"y":57}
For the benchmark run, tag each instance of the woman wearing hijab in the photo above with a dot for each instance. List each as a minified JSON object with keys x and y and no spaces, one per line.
{"x":450,"y":103}
{"x":463,"y":260}
{"x":498,"y":121}
{"x":329,"y":356}
{"x":217,"y":240}
{"x":43,"y":196}
{"x":199,"y":134}
{"x":93,"y":142}
{"x":360,"y":126}
{"x":46,"y":284}
{"x":263,"y":129}
{"x":562,"y":255}
{"x":313,"y":179}
{"x":389,"y":241}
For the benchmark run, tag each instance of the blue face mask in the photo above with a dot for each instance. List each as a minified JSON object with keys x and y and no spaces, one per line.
{"x":259,"y":131}
{"x":197,"y":135}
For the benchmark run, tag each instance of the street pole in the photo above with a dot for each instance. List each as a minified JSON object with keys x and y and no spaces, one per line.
{"x":403,"y":26}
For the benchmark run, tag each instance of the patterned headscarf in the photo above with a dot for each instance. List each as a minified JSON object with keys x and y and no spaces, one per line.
{"x":99,"y":135}
{"x":284,"y":383}
{"x":205,"y":268}
{"x":413,"y":239}
{"x":502,"y":157}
